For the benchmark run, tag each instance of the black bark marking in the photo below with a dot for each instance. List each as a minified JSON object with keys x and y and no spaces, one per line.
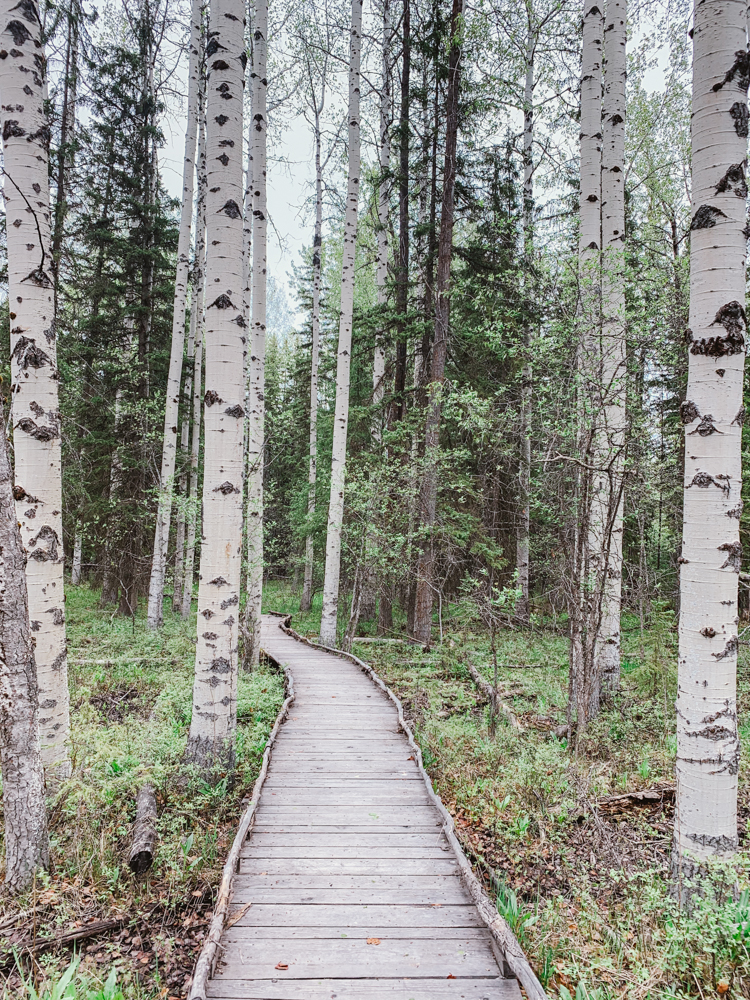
{"x":30,"y":513}
{"x":213,"y":47}
{"x":207,"y":614}
{"x":729,"y":649}
{"x":732,"y":317}
{"x":38,"y":277}
{"x":220,"y":665}
{"x":740,"y":115}
{"x":225,"y":488}
{"x":38,"y":432}
{"x":223,"y":159}
{"x":226,"y":142}
{"x":688,"y":336}
{"x":733,"y":181}
{"x":734,"y":555}
{"x":223,"y":302}
{"x":49,"y":539}
{"x":688,"y":411}
{"x":12,"y":130}
{"x":212,"y":397}
{"x":235,"y":411}
{"x":58,"y":618}
{"x":740,"y":68}
{"x":19,"y":493}
{"x":703,"y":480}
{"x":20,"y":32}
{"x":708,"y":632}
{"x":706,"y":217}
{"x":219,"y":582}
{"x":210,"y":635}
{"x":230,"y":602}
{"x":706,"y":427}
{"x":736,"y":511}
{"x":221,"y":120}
{"x":220,"y":64}
{"x":239,"y":319}
{"x":243,"y":59}
{"x":721,"y":372}
{"x":740,"y":418}
{"x":593,"y":245}
{"x":231,"y":208}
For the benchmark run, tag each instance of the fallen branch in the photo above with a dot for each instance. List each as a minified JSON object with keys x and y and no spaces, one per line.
{"x":488,"y":690}
{"x":144,"y":832}
{"x":68,"y":937}
{"x":643,"y":797}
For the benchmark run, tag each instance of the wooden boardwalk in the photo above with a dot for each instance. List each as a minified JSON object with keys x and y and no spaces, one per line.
{"x":355,"y":890}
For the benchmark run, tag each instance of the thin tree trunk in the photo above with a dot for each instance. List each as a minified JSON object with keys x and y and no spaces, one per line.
{"x":75,"y":570}
{"x":199,"y":289}
{"x":384,"y":196}
{"x":24,"y":808}
{"x":312,"y":471}
{"x":611,"y":439}
{"x":187,"y":398}
{"x":214,"y":718}
{"x":169,"y":449}
{"x":424,"y":595}
{"x":708,"y":748}
{"x":402,"y":278}
{"x":524,"y":527}
{"x":64,"y":152}
{"x":343,"y":361}
{"x":256,"y":418}
{"x":36,"y":412}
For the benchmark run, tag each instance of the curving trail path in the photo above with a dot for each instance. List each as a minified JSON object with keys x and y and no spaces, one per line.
{"x":355,"y":891}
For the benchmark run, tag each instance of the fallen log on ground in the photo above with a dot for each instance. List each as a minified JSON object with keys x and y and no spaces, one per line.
{"x":144,"y":832}
{"x":73,"y":936}
{"x":488,"y":690}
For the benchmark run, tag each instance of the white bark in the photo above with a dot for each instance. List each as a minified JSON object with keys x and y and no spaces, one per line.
{"x":343,"y":360}
{"x":213,"y":725}
{"x":75,"y":570}
{"x":384,"y":192}
{"x":256,"y":421}
{"x":708,"y":749}
{"x":35,"y":409}
{"x":608,"y":487}
{"x":26,"y":843}
{"x":169,"y":448}
{"x":312,"y":470}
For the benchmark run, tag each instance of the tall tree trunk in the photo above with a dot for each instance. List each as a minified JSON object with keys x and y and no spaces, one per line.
{"x":214,"y":719}
{"x":169,"y":448}
{"x":75,"y":570}
{"x":36,"y":413}
{"x":585,"y":603}
{"x":611,"y":438}
{"x":312,"y":470}
{"x":402,"y":277}
{"x":524,"y":471}
{"x":26,"y":843}
{"x":256,"y":419}
{"x":343,"y":361}
{"x":199,"y":292}
{"x":708,"y":748}
{"x":424,"y":595}
{"x":384,"y":195}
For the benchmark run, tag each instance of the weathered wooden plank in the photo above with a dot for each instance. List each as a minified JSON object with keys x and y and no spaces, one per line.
{"x":389,"y":893}
{"x":356,"y":796}
{"x":347,"y":866}
{"x":300,"y":851}
{"x":353,"y":957}
{"x":402,"y":917}
{"x":363,"y":989}
{"x":344,"y":932}
{"x":332,"y":841}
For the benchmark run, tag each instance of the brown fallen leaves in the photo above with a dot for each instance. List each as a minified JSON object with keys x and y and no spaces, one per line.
{"x":373,"y":940}
{"x":281,"y":965}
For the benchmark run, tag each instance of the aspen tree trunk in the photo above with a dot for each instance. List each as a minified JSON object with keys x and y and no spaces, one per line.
{"x":187,"y":398}
{"x":343,"y":360}
{"x":26,"y":843}
{"x":256,"y":417}
{"x":169,"y":448}
{"x":611,"y":438}
{"x":384,"y":194}
{"x":75,"y":570}
{"x":708,"y":748}
{"x":64,"y":152}
{"x":199,"y":287}
{"x":402,"y":279}
{"x":424,"y":596}
{"x":312,"y":472}
{"x":522,"y":539}
{"x":583,"y":610}
{"x":35,"y":408}
{"x":214,"y":720}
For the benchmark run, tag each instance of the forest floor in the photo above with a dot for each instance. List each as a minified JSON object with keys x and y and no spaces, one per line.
{"x":574,"y":846}
{"x":131,"y":699}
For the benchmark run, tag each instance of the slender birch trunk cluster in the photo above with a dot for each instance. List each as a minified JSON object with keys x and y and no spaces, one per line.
{"x":256,"y":416}
{"x":384,"y":197}
{"x":708,"y":748}
{"x":343,"y":358}
{"x":35,"y":409}
{"x":169,"y":447}
{"x":214,"y":718}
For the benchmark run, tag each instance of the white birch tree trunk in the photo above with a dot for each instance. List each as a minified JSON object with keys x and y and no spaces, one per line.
{"x":384,"y":195}
{"x":708,"y":749}
{"x":24,"y":807}
{"x":611,"y":436}
{"x":214,"y":719}
{"x":343,"y":360}
{"x":75,"y":570}
{"x":35,"y":408}
{"x":256,"y":417}
{"x":169,"y":448}
{"x":199,"y":299}
{"x":312,"y":469}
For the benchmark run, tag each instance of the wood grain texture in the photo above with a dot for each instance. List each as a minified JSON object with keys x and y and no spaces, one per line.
{"x":354,"y":888}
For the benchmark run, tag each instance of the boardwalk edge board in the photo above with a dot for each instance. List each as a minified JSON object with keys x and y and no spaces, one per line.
{"x":502,"y":935}
{"x":204,"y":967}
